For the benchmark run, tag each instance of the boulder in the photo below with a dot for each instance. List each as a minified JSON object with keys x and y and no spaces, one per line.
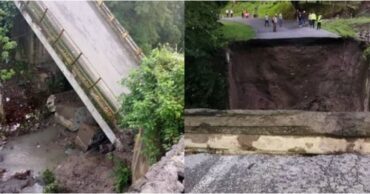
{"x":165,"y":176}
{"x":69,"y":110}
{"x":85,"y":136}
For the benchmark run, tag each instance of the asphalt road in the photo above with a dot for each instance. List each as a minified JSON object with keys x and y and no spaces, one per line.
{"x":277,"y":173}
{"x":109,"y":58}
{"x":290,"y":29}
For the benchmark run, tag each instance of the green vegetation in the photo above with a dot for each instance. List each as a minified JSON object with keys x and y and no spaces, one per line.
{"x":51,"y":186}
{"x":122,"y":176}
{"x":326,"y":8}
{"x":48,"y":177}
{"x":345,"y":27}
{"x":330,"y":9}
{"x":156,"y":101}
{"x":261,"y":8}
{"x":7,"y":14}
{"x":6,"y":74}
{"x":233,"y":31}
{"x":151,"y":23}
{"x":205,"y":78}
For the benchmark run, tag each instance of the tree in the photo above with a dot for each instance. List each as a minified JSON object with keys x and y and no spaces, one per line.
{"x":156,"y":101}
{"x":7,"y":14}
{"x":205,"y":78}
{"x":151,"y":23}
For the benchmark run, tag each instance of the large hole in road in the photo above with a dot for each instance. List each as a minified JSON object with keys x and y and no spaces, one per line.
{"x":304,"y":74}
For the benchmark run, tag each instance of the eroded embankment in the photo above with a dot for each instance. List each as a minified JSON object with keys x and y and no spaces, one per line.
{"x":305,"y":74}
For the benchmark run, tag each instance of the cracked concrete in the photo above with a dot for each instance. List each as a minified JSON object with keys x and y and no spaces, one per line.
{"x":277,"y":173}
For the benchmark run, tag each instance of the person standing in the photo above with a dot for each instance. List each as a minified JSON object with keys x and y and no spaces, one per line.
{"x":304,"y":17}
{"x":274,"y":22}
{"x":227,"y":13}
{"x":267,"y":22}
{"x":300,"y":19}
{"x":280,"y":20}
{"x":313,"y":20}
{"x":319,"y":22}
{"x":231,"y":13}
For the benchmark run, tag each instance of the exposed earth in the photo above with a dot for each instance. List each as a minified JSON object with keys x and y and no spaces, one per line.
{"x":305,"y":74}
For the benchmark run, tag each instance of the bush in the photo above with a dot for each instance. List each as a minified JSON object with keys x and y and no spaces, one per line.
{"x":48,"y":177}
{"x":156,"y":101}
{"x":122,"y":176}
{"x":6,"y":74}
{"x":51,"y":188}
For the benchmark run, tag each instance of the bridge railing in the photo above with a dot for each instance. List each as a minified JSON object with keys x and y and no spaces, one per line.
{"x":122,"y":32}
{"x":88,"y":77}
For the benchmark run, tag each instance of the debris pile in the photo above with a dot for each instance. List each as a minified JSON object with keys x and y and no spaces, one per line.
{"x":166,"y":176}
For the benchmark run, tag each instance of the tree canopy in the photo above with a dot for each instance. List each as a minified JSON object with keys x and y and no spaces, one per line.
{"x":152,"y":23}
{"x":205,"y":83}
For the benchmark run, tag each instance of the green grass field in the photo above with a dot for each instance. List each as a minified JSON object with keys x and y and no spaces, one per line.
{"x":345,"y":27}
{"x":233,"y":31}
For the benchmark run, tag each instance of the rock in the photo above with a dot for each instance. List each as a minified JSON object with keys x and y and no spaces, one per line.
{"x":22,"y":175}
{"x":166,"y":176}
{"x":85,"y":136}
{"x":50,"y":103}
{"x":69,"y":110}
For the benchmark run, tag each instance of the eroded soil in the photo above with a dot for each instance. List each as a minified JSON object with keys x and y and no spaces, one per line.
{"x":319,"y":75}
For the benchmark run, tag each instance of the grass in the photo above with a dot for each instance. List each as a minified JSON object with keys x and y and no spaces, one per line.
{"x":345,"y":27}
{"x":270,"y":8}
{"x":234,"y":31}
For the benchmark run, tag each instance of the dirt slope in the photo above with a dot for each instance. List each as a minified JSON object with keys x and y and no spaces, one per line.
{"x":317,"y":75}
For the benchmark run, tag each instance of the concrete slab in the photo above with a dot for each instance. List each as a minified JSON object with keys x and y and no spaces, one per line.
{"x":275,"y":173}
{"x":108,"y":58}
{"x":277,"y":122}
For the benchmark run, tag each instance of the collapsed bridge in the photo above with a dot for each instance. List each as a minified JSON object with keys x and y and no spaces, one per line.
{"x":92,"y":50}
{"x":306,"y":95}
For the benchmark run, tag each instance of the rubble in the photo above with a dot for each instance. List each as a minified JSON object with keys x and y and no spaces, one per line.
{"x":69,"y":110}
{"x":16,"y":182}
{"x":166,"y":176}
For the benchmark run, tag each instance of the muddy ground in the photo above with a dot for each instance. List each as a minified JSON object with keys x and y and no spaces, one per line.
{"x":316,"y":75}
{"x":52,"y":147}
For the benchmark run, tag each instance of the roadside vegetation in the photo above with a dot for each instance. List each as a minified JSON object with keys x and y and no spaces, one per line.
{"x":156,"y":101}
{"x":287,"y":8}
{"x":345,"y":27}
{"x":261,"y":8}
{"x":233,"y":31}
{"x":206,"y":86}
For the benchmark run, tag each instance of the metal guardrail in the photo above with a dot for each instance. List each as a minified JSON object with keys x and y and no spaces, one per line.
{"x":122,"y":32}
{"x":73,"y":58}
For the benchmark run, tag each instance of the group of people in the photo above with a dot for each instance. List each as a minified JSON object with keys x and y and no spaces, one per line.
{"x":229,"y":13}
{"x":275,"y":21}
{"x":312,"y":18}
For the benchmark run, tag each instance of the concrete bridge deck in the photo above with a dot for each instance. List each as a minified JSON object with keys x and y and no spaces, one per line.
{"x":347,"y":173}
{"x":90,"y":47}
